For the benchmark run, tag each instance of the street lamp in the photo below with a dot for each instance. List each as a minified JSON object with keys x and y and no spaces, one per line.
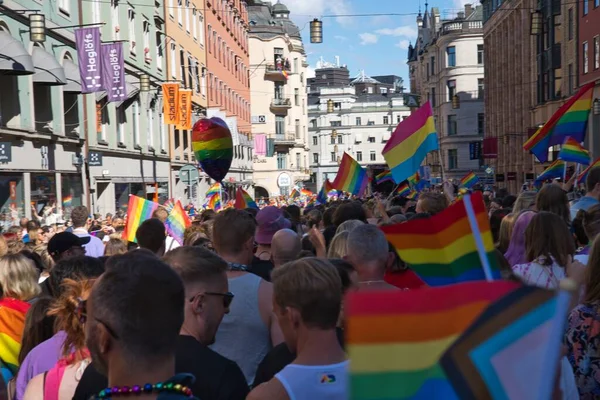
{"x":144,"y":83}
{"x":596,"y":106}
{"x":316,"y":31}
{"x":455,"y":102}
{"x":37,"y":28}
{"x":329,"y":106}
{"x":536,"y":23}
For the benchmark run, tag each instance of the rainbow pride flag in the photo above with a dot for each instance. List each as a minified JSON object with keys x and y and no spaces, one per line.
{"x":555,"y":170}
{"x":285,"y":74}
{"x":411,"y":141}
{"x":443,"y":250}
{"x":351,"y":177}
{"x":412,"y":195}
{"x":214,"y":189}
{"x":67,"y":201}
{"x":306,"y":192}
{"x":391,"y":363}
{"x":573,"y":151}
{"x":403,"y":190}
{"x":12,"y":323}
{"x":469,"y":180}
{"x":243,"y":200}
{"x":138,"y":210}
{"x":323,"y":195}
{"x":385,"y":176}
{"x":214,"y":202}
{"x":569,"y":120}
{"x":583,"y":176}
{"x":177,"y":222}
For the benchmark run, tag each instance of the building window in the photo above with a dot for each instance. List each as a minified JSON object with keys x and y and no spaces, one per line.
{"x":63,"y":6}
{"x":480,"y":54}
{"x":200,"y":29}
{"x":135,"y":110}
{"x":451,"y":89}
{"x":359,"y":156}
{"x":432,"y":65}
{"x":131,"y":22}
{"x":372,"y":155}
{"x":313,"y":123}
{"x":480,"y":123}
{"x":386,"y":120}
{"x":571,"y":79}
{"x":571,"y":25}
{"x":219,"y":49}
{"x":398,"y":118}
{"x":480,"y":89}
{"x":596,"y":3}
{"x":340,"y":139}
{"x":115,"y":19}
{"x":202,"y":82}
{"x":180,"y":12}
{"x":150,"y":119}
{"x":281,"y":161}
{"x":298,"y":162}
{"x":162,"y":132}
{"x":121,"y":124}
{"x":332,"y":139}
{"x":336,"y":123}
{"x":297,"y":127}
{"x":101,"y":120}
{"x":187,"y":16}
{"x":432,"y":98}
{"x":173,"y":61}
{"x":371,"y":139}
{"x":452,"y":158}
{"x":159,"y":51}
{"x":315,"y":158}
{"x":194,"y":24}
{"x":370,"y":123}
{"x":596,"y":52}
{"x":183,"y":76}
{"x":333,"y":159}
{"x":315,"y":141}
{"x":209,"y":38}
{"x":295,"y":65}
{"x":585,"y":7}
{"x":297,"y":97}
{"x":358,"y":121}
{"x":585,"y":57}
{"x":279,"y":125}
{"x":146,"y":29}
{"x":451,"y":125}
{"x":451,"y":53}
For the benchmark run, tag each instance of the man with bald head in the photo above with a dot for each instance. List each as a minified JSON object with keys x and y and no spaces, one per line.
{"x":285,"y":247}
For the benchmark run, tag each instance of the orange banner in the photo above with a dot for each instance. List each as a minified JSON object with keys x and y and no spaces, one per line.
{"x":185,"y":109}
{"x":171,"y":103}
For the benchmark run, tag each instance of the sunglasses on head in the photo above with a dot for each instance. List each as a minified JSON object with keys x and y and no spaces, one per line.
{"x":227,"y":297}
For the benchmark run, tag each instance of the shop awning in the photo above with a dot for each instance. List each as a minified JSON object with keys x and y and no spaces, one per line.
{"x":73,"y":79}
{"x":14,"y":59}
{"x":47,"y":69}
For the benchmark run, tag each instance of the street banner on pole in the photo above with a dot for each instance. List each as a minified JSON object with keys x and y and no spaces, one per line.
{"x":170,"y":103}
{"x":113,"y":71}
{"x":185,"y":109}
{"x":88,"y":54}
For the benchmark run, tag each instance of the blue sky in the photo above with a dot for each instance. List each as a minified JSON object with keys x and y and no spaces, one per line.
{"x":377,"y":44}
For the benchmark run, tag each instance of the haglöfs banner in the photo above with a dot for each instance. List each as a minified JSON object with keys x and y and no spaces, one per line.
{"x":88,"y":54}
{"x":113,"y":71}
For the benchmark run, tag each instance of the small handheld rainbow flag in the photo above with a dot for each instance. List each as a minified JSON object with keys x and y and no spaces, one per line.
{"x":306,"y":192}
{"x":138,"y":210}
{"x":214,"y":189}
{"x":573,"y":151}
{"x":411,"y":141}
{"x":403,"y":190}
{"x":412,"y":195}
{"x":295,"y":193}
{"x":583,"y":176}
{"x":67,"y":201}
{"x":323,"y":195}
{"x":243,"y":200}
{"x":555,"y":170}
{"x":385,"y":176}
{"x":351,"y":177}
{"x":214,"y":202}
{"x":177,"y":222}
{"x":569,"y":120}
{"x":469,"y":180}
{"x":169,"y":204}
{"x":444,"y":250}
{"x":285,"y":74}
{"x":388,"y":363}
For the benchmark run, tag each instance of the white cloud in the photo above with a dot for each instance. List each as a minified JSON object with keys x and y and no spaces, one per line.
{"x":367,"y":38}
{"x":310,"y":72}
{"x":403,"y":44}
{"x":407,"y":31}
{"x":340,"y":38}
{"x":461,"y":3}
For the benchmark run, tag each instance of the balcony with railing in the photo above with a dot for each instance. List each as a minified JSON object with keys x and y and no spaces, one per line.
{"x":277,"y":74}
{"x":454,"y":27}
{"x":287,"y":139}
{"x":281,"y":104}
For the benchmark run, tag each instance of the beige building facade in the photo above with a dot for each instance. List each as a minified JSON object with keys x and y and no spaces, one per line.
{"x":278,"y":100}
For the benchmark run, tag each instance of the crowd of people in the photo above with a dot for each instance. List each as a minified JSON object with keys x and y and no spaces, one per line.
{"x":251,"y":304}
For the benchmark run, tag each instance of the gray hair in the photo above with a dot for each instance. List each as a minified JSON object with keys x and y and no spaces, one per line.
{"x":367,"y":243}
{"x":348,"y":226}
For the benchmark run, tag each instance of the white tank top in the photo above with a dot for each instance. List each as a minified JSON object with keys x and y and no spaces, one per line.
{"x":311,"y":382}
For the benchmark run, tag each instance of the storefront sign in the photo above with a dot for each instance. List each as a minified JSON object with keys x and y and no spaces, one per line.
{"x":94,"y":159}
{"x":13,"y":190}
{"x":88,"y":54}
{"x":511,"y":176}
{"x":170,"y":103}
{"x":5,"y":152}
{"x":475,"y":150}
{"x":284,"y":180}
{"x":113,"y":71}
{"x":185,"y":109}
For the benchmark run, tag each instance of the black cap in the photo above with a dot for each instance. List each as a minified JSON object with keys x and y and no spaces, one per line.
{"x":63,"y":241}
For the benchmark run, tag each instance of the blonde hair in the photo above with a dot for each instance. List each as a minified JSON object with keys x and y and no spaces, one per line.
{"x":19,"y":277}
{"x":338,"y":246}
{"x":348,"y":226}
{"x":524,"y":202}
{"x":115,"y":246}
{"x":505,"y":233}
{"x":3,"y":246}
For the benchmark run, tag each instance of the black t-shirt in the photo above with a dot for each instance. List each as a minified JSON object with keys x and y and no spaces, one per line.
{"x":278,"y":358}
{"x":217,"y":378}
{"x":261,"y":268}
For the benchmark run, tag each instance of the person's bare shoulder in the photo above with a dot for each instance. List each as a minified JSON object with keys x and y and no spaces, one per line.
{"x":272,"y":390}
{"x":35,"y":388}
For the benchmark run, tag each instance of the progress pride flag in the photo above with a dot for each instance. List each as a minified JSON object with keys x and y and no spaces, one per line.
{"x":113,"y":71}
{"x":88,"y":54}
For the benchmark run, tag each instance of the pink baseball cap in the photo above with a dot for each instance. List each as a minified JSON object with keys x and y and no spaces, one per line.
{"x":270,"y":220}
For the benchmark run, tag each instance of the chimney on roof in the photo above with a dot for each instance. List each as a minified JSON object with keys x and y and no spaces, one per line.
{"x":461,"y":15}
{"x":468,"y":10}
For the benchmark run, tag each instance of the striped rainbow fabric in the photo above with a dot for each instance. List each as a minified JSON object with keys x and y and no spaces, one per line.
{"x":214,"y":189}
{"x":391,"y":363}
{"x":243,"y":200}
{"x":554,"y":170}
{"x":214,"y":202}
{"x":469,"y":180}
{"x":138,"y":210}
{"x":12,"y":323}
{"x":583,"y":176}
{"x":403,"y":190}
{"x":177,"y":222}
{"x":351,"y":177}
{"x":385,"y":176}
{"x":569,"y":120}
{"x":573,"y":151}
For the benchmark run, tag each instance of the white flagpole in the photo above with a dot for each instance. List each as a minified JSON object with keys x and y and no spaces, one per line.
{"x":487,"y":269}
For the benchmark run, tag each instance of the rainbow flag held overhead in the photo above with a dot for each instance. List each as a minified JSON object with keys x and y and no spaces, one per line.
{"x":569,"y":120}
{"x":306,"y":192}
{"x":351,"y":177}
{"x":573,"y":151}
{"x":169,"y":204}
{"x":12,"y":323}
{"x":295,"y":193}
{"x":67,"y":201}
{"x":555,"y":170}
{"x":403,"y":190}
{"x":323,"y":195}
{"x":443,"y":251}
{"x":214,"y":189}
{"x":412,"y":195}
{"x":214,"y":202}
{"x":391,"y":363}
{"x":385,"y":176}
{"x":138,"y":210}
{"x":520,"y":329}
{"x":243,"y":200}
{"x":411,"y":141}
{"x":583,"y":176}
{"x":177,"y":222}
{"x":469,"y":180}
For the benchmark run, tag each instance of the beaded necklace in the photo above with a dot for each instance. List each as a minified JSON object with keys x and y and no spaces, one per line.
{"x":159,"y":387}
